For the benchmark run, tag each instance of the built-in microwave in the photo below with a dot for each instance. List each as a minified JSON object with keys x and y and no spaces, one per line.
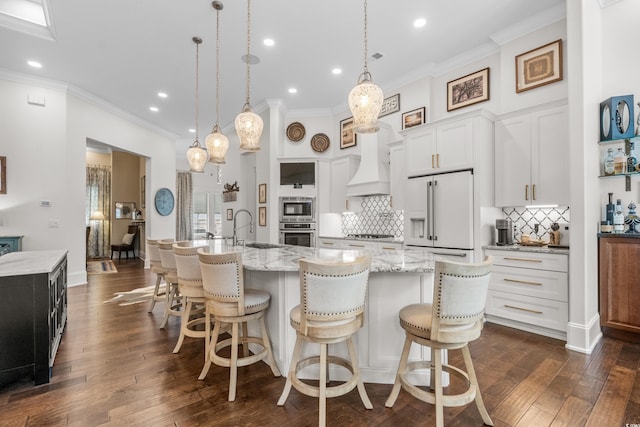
{"x":297,"y":209}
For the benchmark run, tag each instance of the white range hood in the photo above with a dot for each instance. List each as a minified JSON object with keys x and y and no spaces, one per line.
{"x":372,"y":176}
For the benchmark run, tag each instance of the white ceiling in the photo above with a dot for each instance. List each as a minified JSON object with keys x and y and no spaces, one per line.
{"x":126,"y":51}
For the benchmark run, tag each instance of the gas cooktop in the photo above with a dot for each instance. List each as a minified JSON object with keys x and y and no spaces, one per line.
{"x":370,"y":236}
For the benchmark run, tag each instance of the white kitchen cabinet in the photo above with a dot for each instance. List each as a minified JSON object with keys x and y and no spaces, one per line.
{"x":529,"y":291}
{"x":342,"y":170}
{"x":532,"y":158}
{"x":397,"y":175}
{"x":445,"y":145}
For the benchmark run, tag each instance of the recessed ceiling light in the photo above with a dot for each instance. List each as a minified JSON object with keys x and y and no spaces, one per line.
{"x":337,"y":71}
{"x":420,"y":22}
{"x":192,"y":130}
{"x":154,"y":109}
{"x":34,"y":64}
{"x":268,"y":42}
{"x":293,"y":90}
{"x":162,"y":95}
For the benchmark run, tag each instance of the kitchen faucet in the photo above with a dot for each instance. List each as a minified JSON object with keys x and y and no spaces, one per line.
{"x":235,"y":228}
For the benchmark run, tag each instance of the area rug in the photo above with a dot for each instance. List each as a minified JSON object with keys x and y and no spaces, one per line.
{"x":134,"y":296}
{"x":101,"y":267}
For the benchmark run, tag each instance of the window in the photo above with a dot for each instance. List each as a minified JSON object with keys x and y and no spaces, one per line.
{"x":200,"y":215}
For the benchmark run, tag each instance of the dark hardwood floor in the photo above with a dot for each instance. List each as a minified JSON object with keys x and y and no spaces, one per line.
{"x":116,"y":367}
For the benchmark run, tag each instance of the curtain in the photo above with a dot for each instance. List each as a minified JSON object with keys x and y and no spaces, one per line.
{"x":184,"y":203}
{"x":98,"y":199}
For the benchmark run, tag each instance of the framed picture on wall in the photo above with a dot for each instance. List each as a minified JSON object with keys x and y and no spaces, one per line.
{"x":348,"y":137}
{"x":3,"y":175}
{"x":262,"y":216}
{"x":229,"y":214}
{"x":413,"y":118}
{"x":262,"y":193}
{"x":539,"y":66}
{"x":468,"y":90}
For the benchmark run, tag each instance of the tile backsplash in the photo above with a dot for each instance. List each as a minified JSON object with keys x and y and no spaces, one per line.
{"x":524,"y":219}
{"x":377,"y":217}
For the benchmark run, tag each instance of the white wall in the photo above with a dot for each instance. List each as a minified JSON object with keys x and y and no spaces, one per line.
{"x":45,"y":150}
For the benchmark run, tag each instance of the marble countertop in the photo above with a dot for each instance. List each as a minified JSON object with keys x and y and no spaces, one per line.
{"x":30,"y":262}
{"x":539,"y":249}
{"x":285,"y":258}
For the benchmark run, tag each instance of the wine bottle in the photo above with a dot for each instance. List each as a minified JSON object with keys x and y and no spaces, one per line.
{"x":618,"y":218}
{"x":631,"y":158}
{"x":611,"y":209}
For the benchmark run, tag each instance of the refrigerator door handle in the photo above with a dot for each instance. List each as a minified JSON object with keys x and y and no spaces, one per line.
{"x":433,"y":209}
{"x":429,"y":209}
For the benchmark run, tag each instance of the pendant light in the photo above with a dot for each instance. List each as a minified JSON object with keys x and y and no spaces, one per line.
{"x":196,"y":155}
{"x":365,"y":99}
{"x":217,"y":143}
{"x":248,"y":124}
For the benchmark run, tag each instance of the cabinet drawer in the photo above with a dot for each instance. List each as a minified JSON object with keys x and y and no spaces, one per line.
{"x":330,"y":244}
{"x":536,"y":311}
{"x":526,"y":281}
{"x":534,"y":260}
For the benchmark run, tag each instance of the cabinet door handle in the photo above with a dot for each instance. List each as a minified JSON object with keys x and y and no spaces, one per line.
{"x":391,"y":201}
{"x":450,"y":254}
{"x":356,"y":246}
{"x":328,"y":243}
{"x":523,"y":282}
{"x":346,"y":204}
{"x":388,"y":248}
{"x":533,"y":192}
{"x":433,"y":164}
{"x":522,"y":259}
{"x":526,"y":192}
{"x":523,"y":309}
{"x":438,"y":160}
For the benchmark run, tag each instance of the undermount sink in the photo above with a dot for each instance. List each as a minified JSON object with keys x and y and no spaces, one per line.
{"x":259,"y":245}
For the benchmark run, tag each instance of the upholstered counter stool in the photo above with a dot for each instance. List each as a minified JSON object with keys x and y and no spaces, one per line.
{"x":331,"y":310}
{"x":172,"y":302}
{"x":455,"y":318}
{"x":155,"y":264}
{"x":228,"y":302}
{"x":191,"y":291}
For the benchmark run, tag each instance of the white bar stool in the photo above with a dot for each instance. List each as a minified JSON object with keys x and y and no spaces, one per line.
{"x":156,"y":267}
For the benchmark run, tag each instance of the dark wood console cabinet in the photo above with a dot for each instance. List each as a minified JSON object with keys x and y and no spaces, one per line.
{"x":33,"y":313}
{"x":619,"y":285}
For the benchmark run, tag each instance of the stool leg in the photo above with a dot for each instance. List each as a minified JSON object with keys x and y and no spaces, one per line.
{"x":267,"y":345}
{"x":437,"y":361}
{"x":322,"y":407}
{"x":152,"y":304}
{"x":466,"y":354}
{"x":233,"y":367}
{"x":297,"y":349}
{"x":356,"y":372}
{"x":402,"y":368}
{"x":186,"y":312}
{"x":170,"y":295}
{"x":245,"y":343}
{"x":211,"y":349}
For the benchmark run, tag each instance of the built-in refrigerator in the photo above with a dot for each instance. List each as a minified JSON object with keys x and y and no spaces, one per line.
{"x":439,"y":214}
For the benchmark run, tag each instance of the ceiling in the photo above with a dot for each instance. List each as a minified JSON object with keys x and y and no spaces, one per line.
{"x":125,"y":52}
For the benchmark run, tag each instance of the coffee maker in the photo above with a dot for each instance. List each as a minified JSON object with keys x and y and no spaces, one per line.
{"x":505,"y":232}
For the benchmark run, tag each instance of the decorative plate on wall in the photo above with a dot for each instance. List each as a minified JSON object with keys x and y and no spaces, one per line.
{"x":295,"y":131}
{"x":319,"y":142}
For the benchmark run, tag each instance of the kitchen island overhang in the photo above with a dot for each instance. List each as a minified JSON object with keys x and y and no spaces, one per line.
{"x":397,"y":278}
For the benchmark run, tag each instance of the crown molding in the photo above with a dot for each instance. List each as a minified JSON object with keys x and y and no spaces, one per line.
{"x":535,"y":22}
{"x":607,"y":3}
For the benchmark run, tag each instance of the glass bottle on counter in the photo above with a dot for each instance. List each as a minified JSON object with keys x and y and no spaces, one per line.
{"x":620,"y":162}
{"x":608,"y":163}
{"x":618,"y":218}
{"x":611,"y":210}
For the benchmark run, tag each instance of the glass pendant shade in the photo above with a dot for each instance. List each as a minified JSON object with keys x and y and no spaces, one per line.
{"x":249,"y":128}
{"x":365,"y":102}
{"x":217,"y":146}
{"x":197,"y":157}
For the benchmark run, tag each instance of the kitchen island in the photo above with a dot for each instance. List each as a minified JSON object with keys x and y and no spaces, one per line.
{"x":397,"y":278}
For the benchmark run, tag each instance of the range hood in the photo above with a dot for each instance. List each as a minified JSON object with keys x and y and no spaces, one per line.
{"x":372,"y":176}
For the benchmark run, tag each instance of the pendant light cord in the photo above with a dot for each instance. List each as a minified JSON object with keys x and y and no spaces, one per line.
{"x":366,"y":42}
{"x":197,"y":41}
{"x":217,"y":67}
{"x":248,"y":48}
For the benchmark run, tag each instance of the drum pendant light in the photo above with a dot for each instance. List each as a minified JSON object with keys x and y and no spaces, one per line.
{"x":365,"y":99}
{"x":196,"y":155}
{"x":217,"y":143}
{"x":248,"y":124}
